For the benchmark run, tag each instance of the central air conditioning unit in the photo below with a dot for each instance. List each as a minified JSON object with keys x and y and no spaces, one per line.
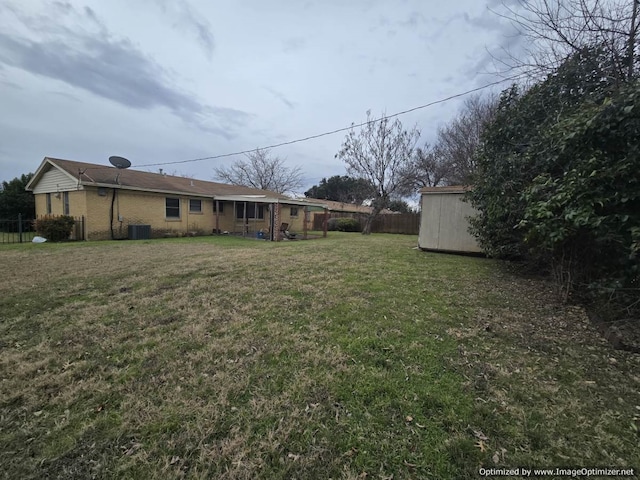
{"x":139,"y":232}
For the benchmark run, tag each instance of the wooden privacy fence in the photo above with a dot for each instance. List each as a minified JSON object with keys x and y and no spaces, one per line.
{"x":404,"y":223}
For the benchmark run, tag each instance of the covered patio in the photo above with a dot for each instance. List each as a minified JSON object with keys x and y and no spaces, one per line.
{"x":266,"y":218}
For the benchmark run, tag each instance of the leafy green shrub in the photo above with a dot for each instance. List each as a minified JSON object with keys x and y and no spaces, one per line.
{"x":344,"y":225}
{"x":55,"y":229}
{"x":514,"y":147}
{"x":558,"y":181}
{"x":585,"y":218}
{"x":349,"y":225}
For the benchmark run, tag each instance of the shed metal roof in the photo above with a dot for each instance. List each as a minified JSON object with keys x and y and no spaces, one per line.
{"x":447,"y":189}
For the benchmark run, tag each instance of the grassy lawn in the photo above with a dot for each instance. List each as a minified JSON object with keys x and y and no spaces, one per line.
{"x":14,"y":237}
{"x":346,"y":357}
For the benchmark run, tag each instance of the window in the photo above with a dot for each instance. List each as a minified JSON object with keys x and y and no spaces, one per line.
{"x":294,"y":211}
{"x":65,"y":199}
{"x":48,"y":203}
{"x":172,"y":207}
{"x":195,"y":206}
{"x":251,"y":210}
{"x":221,"y":206}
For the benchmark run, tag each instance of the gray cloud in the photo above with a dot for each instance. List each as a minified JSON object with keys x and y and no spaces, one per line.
{"x":50,"y":21}
{"x":65,"y":95}
{"x":499,"y":3}
{"x":442,"y":26}
{"x":90,"y":14}
{"x":280,"y":96}
{"x":293,"y":44}
{"x":509,"y":44}
{"x":190,"y":21}
{"x":10,"y":84}
{"x":110,"y":68}
{"x":413,"y":20}
{"x":114,"y":70}
{"x":486,"y":21}
{"x":64,"y":7}
{"x":237,"y":118}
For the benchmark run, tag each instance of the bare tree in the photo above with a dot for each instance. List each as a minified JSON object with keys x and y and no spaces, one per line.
{"x":458,"y":140}
{"x":555,"y":29}
{"x":380,"y":153}
{"x":427,"y":169}
{"x":263,"y":171}
{"x":450,"y":160}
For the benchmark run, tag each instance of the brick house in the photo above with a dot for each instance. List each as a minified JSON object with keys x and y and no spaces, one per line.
{"x":110,"y":200}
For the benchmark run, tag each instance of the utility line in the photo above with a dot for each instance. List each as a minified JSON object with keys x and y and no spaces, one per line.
{"x":332,"y":132}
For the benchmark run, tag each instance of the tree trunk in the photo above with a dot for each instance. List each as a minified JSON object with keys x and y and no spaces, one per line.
{"x":366,"y":230}
{"x":632,"y":41}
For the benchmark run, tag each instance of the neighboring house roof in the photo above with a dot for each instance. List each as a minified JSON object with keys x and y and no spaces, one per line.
{"x":90,"y":174}
{"x":341,"y":206}
{"x":334,"y":206}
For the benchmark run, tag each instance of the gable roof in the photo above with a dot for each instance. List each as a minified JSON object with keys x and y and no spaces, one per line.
{"x":91,"y":174}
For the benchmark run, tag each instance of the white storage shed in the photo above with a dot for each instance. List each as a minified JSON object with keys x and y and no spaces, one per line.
{"x":444,"y":222}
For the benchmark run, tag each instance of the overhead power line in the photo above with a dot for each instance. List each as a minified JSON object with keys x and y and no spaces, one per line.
{"x":332,"y":132}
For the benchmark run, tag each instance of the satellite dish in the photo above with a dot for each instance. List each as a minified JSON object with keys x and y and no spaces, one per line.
{"x":119,"y":162}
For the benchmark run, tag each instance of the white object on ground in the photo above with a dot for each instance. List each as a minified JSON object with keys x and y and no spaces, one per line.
{"x":37,"y":239}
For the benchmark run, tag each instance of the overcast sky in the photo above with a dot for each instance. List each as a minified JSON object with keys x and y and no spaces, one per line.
{"x":171,"y":80}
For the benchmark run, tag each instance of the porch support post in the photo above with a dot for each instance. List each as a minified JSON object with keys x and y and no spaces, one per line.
{"x":325,"y":224}
{"x":234,"y":216}
{"x":244,"y":220}
{"x":304,"y":222}
{"x":272,"y":207}
{"x":276,"y":222}
{"x":217,"y":216}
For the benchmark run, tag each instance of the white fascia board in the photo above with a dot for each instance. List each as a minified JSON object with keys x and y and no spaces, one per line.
{"x":146,"y":190}
{"x":265,"y":199}
{"x":246,"y":198}
{"x":303,"y":203}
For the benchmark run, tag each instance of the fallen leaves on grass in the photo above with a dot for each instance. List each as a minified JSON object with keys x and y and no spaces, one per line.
{"x":481,"y":445}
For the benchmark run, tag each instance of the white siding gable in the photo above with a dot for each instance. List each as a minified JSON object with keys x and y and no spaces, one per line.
{"x":55,"y":181}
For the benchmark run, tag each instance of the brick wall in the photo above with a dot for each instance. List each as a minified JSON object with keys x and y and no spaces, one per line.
{"x":77,"y":205}
{"x":133,"y":207}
